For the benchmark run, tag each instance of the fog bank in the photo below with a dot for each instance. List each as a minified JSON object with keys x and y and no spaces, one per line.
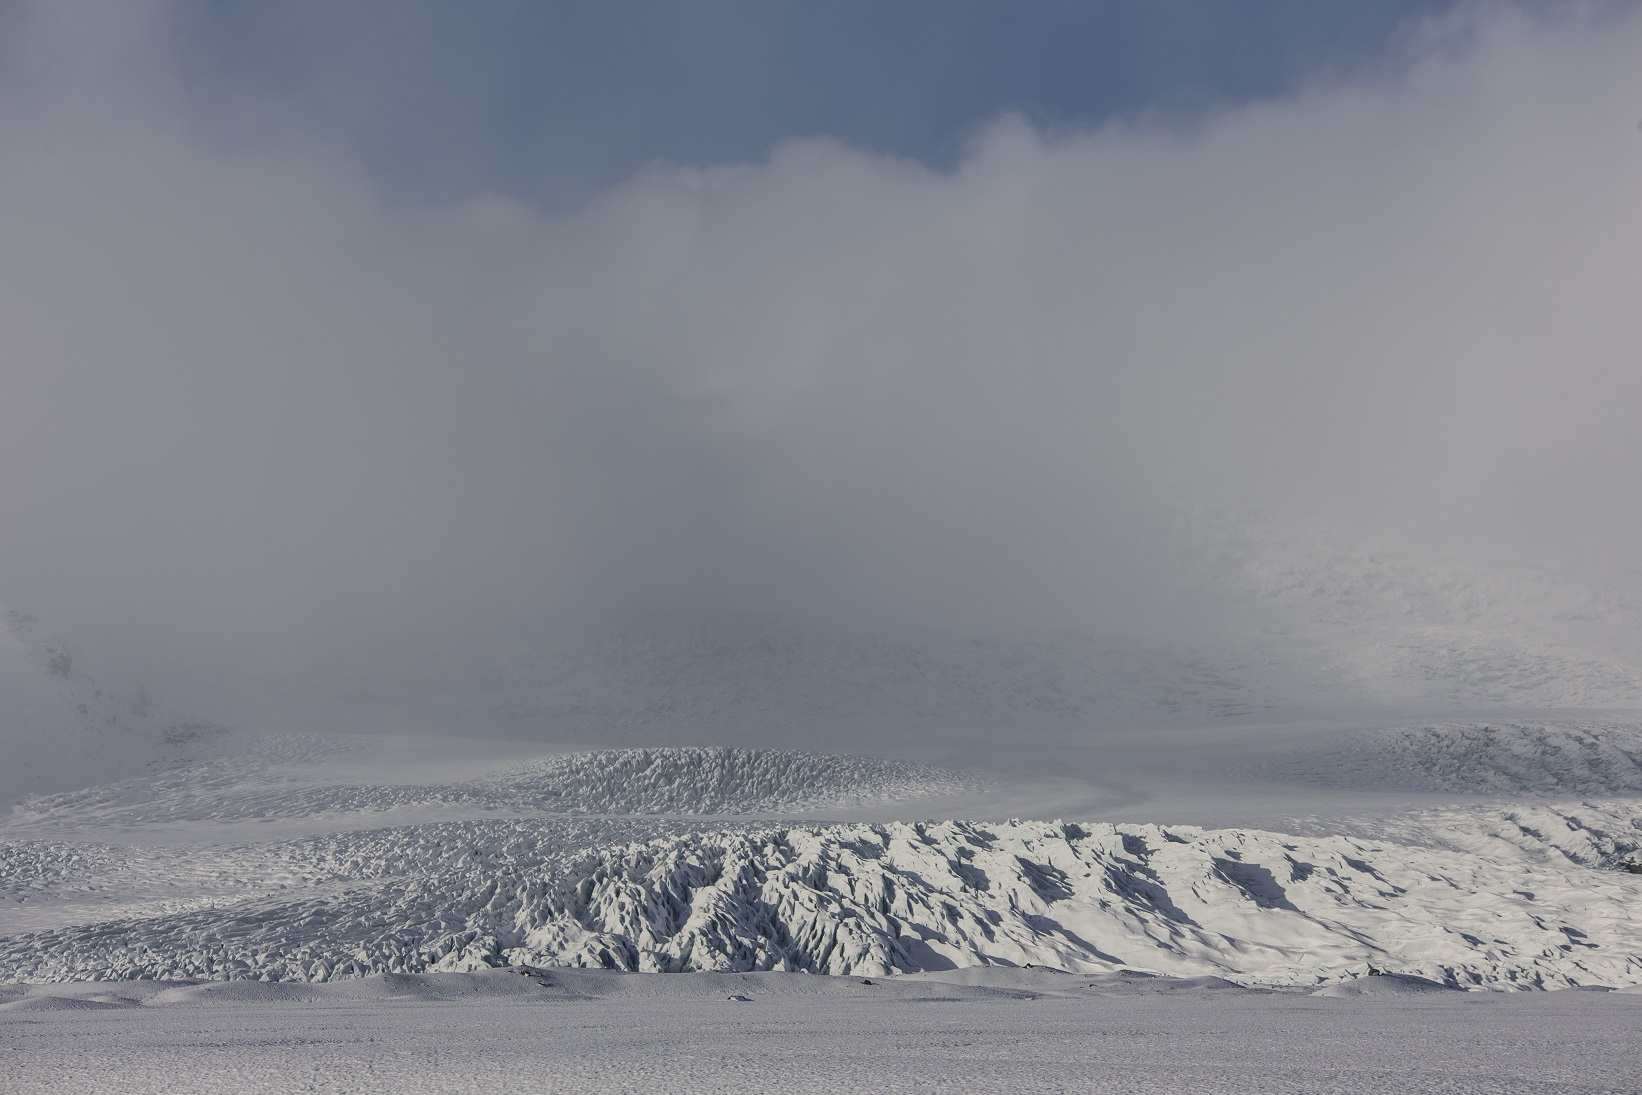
{"x":257,"y":410}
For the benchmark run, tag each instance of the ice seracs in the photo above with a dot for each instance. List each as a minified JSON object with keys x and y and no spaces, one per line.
{"x":1502,"y":907}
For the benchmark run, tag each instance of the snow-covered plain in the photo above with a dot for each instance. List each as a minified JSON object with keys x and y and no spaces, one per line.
{"x":992,"y":1030}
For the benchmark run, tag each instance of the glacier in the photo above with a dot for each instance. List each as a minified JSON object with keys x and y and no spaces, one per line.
{"x":1536,"y":895}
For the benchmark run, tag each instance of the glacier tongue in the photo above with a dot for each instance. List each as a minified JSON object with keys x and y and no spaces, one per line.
{"x":877,"y":899}
{"x":1503,"y":905}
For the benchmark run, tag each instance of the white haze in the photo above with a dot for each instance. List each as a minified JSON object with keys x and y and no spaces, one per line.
{"x":250,"y":408}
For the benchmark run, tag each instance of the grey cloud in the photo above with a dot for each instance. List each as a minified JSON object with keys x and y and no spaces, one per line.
{"x":254,"y":407}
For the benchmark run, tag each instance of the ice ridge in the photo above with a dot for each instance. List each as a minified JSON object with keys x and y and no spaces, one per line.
{"x":1502,"y":908}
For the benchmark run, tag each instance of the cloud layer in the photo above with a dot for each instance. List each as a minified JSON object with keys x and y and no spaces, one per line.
{"x":252,"y":404}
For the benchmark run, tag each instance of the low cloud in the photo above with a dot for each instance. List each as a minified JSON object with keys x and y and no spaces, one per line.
{"x":252,"y":405}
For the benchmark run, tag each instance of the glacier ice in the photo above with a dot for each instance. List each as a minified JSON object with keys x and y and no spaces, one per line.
{"x":1498,"y":906}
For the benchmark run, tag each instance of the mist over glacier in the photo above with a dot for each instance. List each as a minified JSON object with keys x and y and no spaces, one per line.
{"x":794,"y":431}
{"x":763,"y":544}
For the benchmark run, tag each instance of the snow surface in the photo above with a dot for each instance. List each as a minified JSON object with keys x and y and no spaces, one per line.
{"x":1024,"y":1031}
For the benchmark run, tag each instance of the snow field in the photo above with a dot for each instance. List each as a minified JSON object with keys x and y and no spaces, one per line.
{"x":606,"y":1032}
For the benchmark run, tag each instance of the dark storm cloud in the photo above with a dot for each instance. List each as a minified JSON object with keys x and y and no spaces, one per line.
{"x":253,"y":406}
{"x":553,"y":102}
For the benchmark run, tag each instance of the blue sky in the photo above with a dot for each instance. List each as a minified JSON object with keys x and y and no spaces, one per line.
{"x":552,"y":101}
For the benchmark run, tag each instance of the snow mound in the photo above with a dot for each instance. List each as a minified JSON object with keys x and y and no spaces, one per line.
{"x":60,"y":1003}
{"x":295,"y":777}
{"x":1386,"y":984}
{"x":220,"y":992}
{"x":872,"y":900}
{"x":1516,"y":757}
{"x":441,"y":987}
{"x":1136,"y":982}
